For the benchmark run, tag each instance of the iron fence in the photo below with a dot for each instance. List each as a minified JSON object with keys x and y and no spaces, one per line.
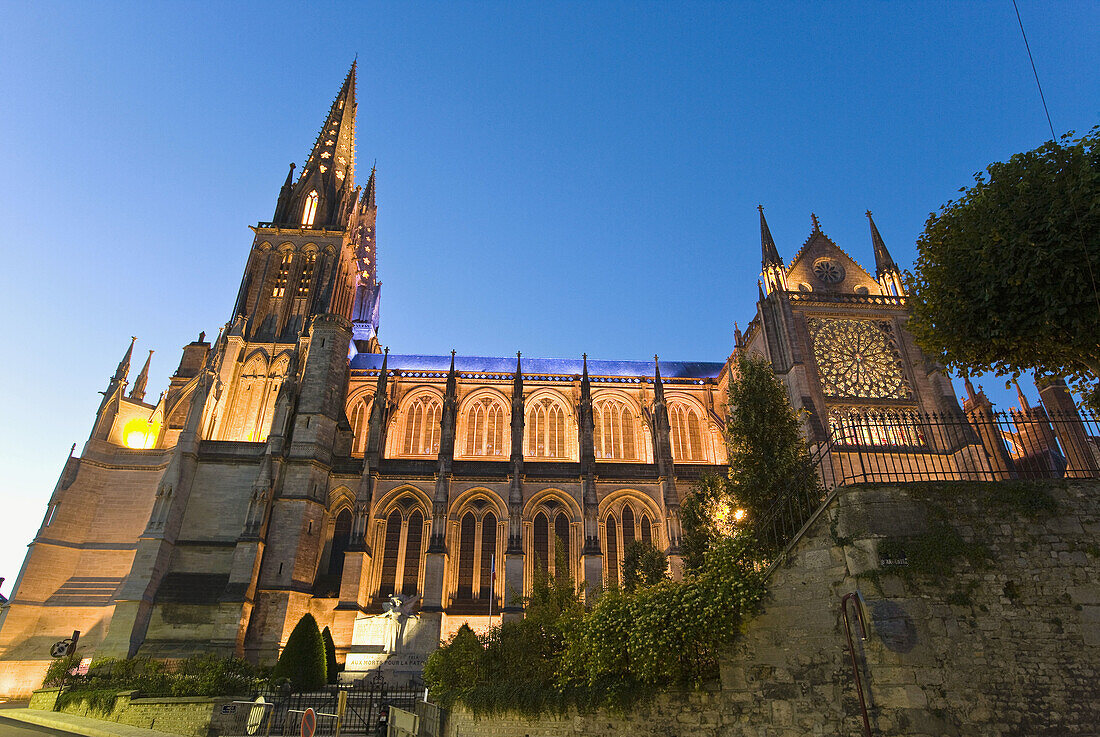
{"x":365,"y":704}
{"x":867,"y":446}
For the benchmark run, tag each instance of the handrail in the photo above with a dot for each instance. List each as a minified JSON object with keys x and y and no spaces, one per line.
{"x":858,"y":598}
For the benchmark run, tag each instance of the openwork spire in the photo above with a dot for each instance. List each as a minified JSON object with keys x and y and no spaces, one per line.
{"x":123,"y":369}
{"x":324,"y":193}
{"x":138,"y":392}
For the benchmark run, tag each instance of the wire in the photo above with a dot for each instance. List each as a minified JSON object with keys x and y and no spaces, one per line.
{"x":1034,"y":71}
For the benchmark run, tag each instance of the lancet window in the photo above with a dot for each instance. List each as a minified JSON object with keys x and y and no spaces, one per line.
{"x":282,"y":276}
{"x":306,"y":279}
{"x":421,"y":435}
{"x":402,"y":551}
{"x":485,"y":428}
{"x":359,"y":417}
{"x":619,"y":532}
{"x":309,"y":212}
{"x":477,"y":545}
{"x":545,"y":432}
{"x":615,"y":430}
{"x":871,"y":427}
{"x":687,"y":433}
{"x":551,"y":543}
{"x":341,"y":539}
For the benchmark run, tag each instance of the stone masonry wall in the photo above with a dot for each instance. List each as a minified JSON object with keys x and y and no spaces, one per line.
{"x":1002,"y":638}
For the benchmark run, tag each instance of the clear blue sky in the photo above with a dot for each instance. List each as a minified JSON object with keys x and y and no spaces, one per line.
{"x":553,"y":178}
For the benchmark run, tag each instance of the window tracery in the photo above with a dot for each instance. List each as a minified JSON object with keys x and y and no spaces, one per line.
{"x":545,"y":429}
{"x":359,"y":418}
{"x":857,"y":358}
{"x":477,"y":546}
{"x":687,"y":433}
{"x":309,"y":212}
{"x":629,"y":526}
{"x":421,"y":435}
{"x":615,"y":430}
{"x":402,"y":549}
{"x":875,"y":427}
{"x":485,"y":428}
{"x":306,"y":279}
{"x":282,"y":276}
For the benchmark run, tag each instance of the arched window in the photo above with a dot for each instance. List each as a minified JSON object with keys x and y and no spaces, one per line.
{"x":390,"y":554}
{"x":359,"y":417}
{"x":485,"y":428}
{"x":545,"y":429}
{"x":248,"y":402}
{"x":611,"y":558}
{"x":466,"y":542}
{"x":341,"y":538}
{"x":614,"y":430}
{"x":306,"y":279}
{"x":619,"y":533}
{"x":561,"y":543}
{"x":414,"y":547}
{"x":542,"y":542}
{"x":687,"y":433}
{"x":422,"y":426}
{"x":282,"y":275}
{"x":488,"y":551}
{"x":309,"y":212}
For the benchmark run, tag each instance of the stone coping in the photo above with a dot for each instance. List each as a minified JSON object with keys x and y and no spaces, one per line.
{"x":74,"y":724}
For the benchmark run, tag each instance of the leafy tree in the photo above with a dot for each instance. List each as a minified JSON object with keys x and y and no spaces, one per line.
{"x":331,"y":666}
{"x":303,"y":659}
{"x":697,"y":512}
{"x":767,"y":453}
{"x":643,"y":565}
{"x":1007,"y":275}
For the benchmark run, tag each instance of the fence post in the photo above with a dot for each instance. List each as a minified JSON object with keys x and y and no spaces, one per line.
{"x":341,"y":707}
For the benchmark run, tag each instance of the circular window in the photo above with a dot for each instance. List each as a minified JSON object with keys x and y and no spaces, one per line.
{"x":828,"y":271}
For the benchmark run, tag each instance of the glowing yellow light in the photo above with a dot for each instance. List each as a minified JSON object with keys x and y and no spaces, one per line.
{"x":140,"y":434}
{"x":739,"y":515}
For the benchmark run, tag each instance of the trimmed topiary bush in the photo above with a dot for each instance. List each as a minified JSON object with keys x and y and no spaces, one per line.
{"x":330,"y":654}
{"x":302,"y":661}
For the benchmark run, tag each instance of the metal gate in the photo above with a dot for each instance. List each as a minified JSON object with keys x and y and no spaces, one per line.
{"x":363,"y":708}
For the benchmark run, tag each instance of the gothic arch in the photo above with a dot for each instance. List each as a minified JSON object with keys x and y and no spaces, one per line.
{"x":263,"y":247}
{"x":385,"y":504}
{"x":464,"y":502}
{"x":689,"y":434}
{"x":483,"y":425}
{"x":550,"y":426}
{"x":400,"y":532}
{"x":415,"y":427}
{"x":614,"y":502}
{"x":539,"y":499}
{"x":617,"y":425}
{"x":339,"y":499}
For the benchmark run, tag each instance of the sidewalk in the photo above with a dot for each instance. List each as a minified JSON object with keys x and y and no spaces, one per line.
{"x":79,"y":725}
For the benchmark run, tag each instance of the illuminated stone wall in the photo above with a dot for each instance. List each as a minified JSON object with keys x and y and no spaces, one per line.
{"x":1008,"y":647}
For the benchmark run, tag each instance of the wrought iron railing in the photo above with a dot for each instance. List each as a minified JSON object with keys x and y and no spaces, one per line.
{"x":874,"y":446}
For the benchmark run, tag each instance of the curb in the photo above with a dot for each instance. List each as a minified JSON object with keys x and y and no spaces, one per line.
{"x":78,"y":725}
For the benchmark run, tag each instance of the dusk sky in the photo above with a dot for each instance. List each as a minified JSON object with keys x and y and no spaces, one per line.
{"x":552,"y":178}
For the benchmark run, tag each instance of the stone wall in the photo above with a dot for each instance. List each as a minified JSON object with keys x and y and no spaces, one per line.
{"x":195,"y":716}
{"x":1002,"y":638}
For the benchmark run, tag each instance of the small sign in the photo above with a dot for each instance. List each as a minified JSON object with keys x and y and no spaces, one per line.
{"x":256,"y":716}
{"x":229,"y":708}
{"x":309,"y":723}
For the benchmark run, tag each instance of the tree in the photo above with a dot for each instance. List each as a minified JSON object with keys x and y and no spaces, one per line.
{"x":330,"y":655}
{"x":643,"y":565}
{"x":1007,"y":275}
{"x":767,"y":453}
{"x":302,"y":661}
{"x":698,"y":530}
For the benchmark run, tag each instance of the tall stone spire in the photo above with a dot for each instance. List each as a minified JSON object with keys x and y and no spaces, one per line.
{"x":768,"y":253}
{"x":123,"y":370}
{"x":517,"y":414}
{"x":324,"y":194}
{"x":377,"y":422}
{"x":883,"y":262}
{"x":138,"y":392}
{"x":771,"y":266}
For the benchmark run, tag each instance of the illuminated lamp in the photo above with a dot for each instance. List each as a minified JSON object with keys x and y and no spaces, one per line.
{"x":140,"y":434}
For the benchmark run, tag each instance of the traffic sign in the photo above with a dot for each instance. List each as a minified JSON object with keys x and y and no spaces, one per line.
{"x":309,"y":723}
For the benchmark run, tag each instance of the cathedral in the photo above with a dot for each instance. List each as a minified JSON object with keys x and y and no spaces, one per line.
{"x":294,"y":465}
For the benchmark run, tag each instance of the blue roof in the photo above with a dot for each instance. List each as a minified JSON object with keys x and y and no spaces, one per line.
{"x":537,"y":366}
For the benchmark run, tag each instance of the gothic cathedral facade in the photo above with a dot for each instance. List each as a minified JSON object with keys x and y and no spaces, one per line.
{"x":277,"y":476}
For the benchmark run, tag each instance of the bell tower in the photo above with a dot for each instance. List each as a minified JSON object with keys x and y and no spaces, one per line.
{"x":304,"y":263}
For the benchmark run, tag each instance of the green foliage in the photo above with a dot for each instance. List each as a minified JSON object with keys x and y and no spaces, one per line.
{"x":643,"y":565}
{"x":1006,"y":276}
{"x":58,"y":670}
{"x":302,"y":661}
{"x":100,"y":700}
{"x":331,"y":666}
{"x":198,"y":675}
{"x":767,"y":453}
{"x":628,"y":647}
{"x":697,"y":514}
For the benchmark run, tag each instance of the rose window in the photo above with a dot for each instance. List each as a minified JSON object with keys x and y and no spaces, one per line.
{"x":857,"y":358}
